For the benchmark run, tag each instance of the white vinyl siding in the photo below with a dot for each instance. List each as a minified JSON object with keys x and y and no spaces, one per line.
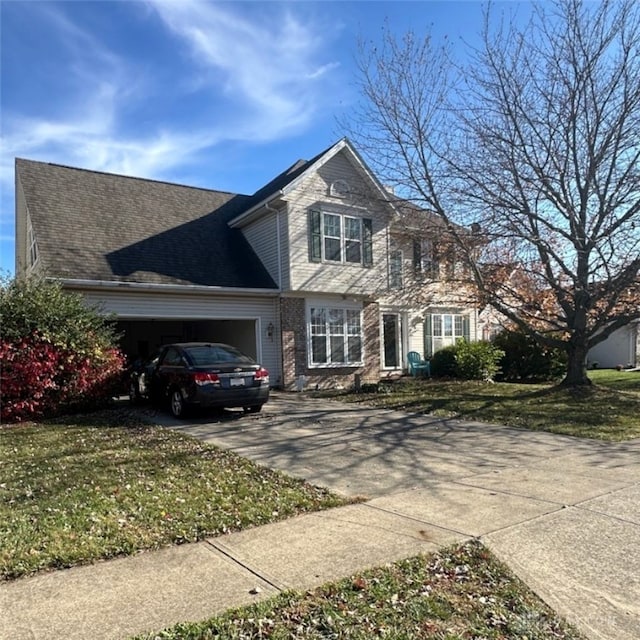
{"x":262,"y":235}
{"x":308,"y":271}
{"x":619,"y":349}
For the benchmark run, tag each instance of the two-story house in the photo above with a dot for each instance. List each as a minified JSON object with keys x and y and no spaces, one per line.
{"x":317,"y":274}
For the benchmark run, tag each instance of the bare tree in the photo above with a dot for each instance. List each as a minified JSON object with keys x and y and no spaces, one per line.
{"x":534,"y":138}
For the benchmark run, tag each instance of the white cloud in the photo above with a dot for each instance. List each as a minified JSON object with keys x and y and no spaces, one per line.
{"x":91,"y":132}
{"x":266,"y":79}
{"x":260,"y":79}
{"x":267,"y":68}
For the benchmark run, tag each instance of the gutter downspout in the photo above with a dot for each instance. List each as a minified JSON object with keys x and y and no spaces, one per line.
{"x":268,"y":207}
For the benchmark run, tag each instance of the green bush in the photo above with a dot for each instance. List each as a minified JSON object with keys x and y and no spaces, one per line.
{"x":467,"y":360}
{"x":56,"y":354}
{"x":526,"y":360}
{"x":477,"y":360}
{"x":443,"y":363}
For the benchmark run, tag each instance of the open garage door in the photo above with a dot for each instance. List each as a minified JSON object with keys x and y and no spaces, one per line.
{"x":142,"y":338}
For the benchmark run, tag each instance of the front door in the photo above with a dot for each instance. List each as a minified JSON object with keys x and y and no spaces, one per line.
{"x":392,"y":340}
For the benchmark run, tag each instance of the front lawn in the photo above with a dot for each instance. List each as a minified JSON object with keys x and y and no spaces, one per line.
{"x":624,"y":380}
{"x":608,"y":411}
{"x":459,"y":592}
{"x":78,"y":490}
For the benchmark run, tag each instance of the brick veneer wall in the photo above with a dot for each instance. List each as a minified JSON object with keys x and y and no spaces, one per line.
{"x":294,"y":350}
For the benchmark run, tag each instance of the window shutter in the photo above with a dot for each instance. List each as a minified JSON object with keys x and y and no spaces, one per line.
{"x":428,"y":336}
{"x":367,"y":242}
{"x":417,"y":256}
{"x":315,"y":236}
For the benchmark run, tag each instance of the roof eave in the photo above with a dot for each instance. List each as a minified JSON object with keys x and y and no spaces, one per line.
{"x":152,"y":287}
{"x":256,"y":210}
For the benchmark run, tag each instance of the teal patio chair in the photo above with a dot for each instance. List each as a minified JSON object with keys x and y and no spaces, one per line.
{"x":418,"y":366}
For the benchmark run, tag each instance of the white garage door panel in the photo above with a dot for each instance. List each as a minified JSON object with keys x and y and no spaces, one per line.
{"x":180,"y":306}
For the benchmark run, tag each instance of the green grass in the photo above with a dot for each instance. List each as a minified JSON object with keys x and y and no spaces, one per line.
{"x":99,"y":486}
{"x":459,"y":592}
{"x":619,"y":380}
{"x":94,"y":487}
{"x":610,"y":410}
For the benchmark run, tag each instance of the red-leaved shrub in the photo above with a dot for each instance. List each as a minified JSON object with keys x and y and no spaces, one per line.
{"x":38,"y":378}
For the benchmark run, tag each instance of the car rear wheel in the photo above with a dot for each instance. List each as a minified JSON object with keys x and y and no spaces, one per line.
{"x":255,"y":408}
{"x":177,"y":404}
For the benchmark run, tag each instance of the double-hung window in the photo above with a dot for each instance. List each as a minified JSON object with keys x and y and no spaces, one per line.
{"x":332,"y":236}
{"x":337,"y":237}
{"x":395,"y":269}
{"x":336,"y":336}
{"x":444,"y":329}
{"x":425,"y":259}
{"x":353,"y":240}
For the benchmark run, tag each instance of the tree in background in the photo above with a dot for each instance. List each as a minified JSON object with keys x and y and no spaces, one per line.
{"x":526,"y":360}
{"x":56,"y":354}
{"x":532,"y":141}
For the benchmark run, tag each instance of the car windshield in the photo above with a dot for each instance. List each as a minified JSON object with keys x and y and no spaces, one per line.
{"x":209,"y":354}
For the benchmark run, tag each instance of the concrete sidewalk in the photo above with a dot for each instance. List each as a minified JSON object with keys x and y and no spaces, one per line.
{"x":563,"y":513}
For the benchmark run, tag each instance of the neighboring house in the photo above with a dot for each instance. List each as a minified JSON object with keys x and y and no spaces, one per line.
{"x":621,"y":348}
{"x":314,"y":274}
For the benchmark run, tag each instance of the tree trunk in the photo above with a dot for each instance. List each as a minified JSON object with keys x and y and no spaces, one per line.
{"x":576,"y":366}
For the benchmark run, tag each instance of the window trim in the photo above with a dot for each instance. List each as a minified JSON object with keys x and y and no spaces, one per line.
{"x":342,"y":217}
{"x":460,"y":325}
{"x":318,"y":238}
{"x":32,"y":245}
{"x":327,"y":307}
{"x":340,"y":189}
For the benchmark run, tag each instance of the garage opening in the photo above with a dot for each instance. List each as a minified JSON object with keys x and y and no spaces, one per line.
{"x":142,"y":338}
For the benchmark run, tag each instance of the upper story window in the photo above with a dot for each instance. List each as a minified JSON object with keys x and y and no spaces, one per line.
{"x":395,"y":269}
{"x":340,"y":189}
{"x":425,"y":259}
{"x":335,"y":237}
{"x":32,"y":245}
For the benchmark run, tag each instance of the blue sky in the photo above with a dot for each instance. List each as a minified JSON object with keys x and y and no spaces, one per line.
{"x":222,"y":95}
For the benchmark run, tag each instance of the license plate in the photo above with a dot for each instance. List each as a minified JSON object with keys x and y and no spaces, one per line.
{"x":236,"y":382}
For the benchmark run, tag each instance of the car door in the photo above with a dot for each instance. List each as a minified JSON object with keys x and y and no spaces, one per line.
{"x":170,"y":371}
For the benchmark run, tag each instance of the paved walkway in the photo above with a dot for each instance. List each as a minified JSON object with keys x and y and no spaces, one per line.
{"x":564,"y":513}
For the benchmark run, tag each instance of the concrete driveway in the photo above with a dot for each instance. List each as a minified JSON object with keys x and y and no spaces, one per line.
{"x":563,"y":512}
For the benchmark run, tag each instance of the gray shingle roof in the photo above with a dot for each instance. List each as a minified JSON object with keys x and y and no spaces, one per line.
{"x":283,"y":179}
{"x":100,"y":226}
